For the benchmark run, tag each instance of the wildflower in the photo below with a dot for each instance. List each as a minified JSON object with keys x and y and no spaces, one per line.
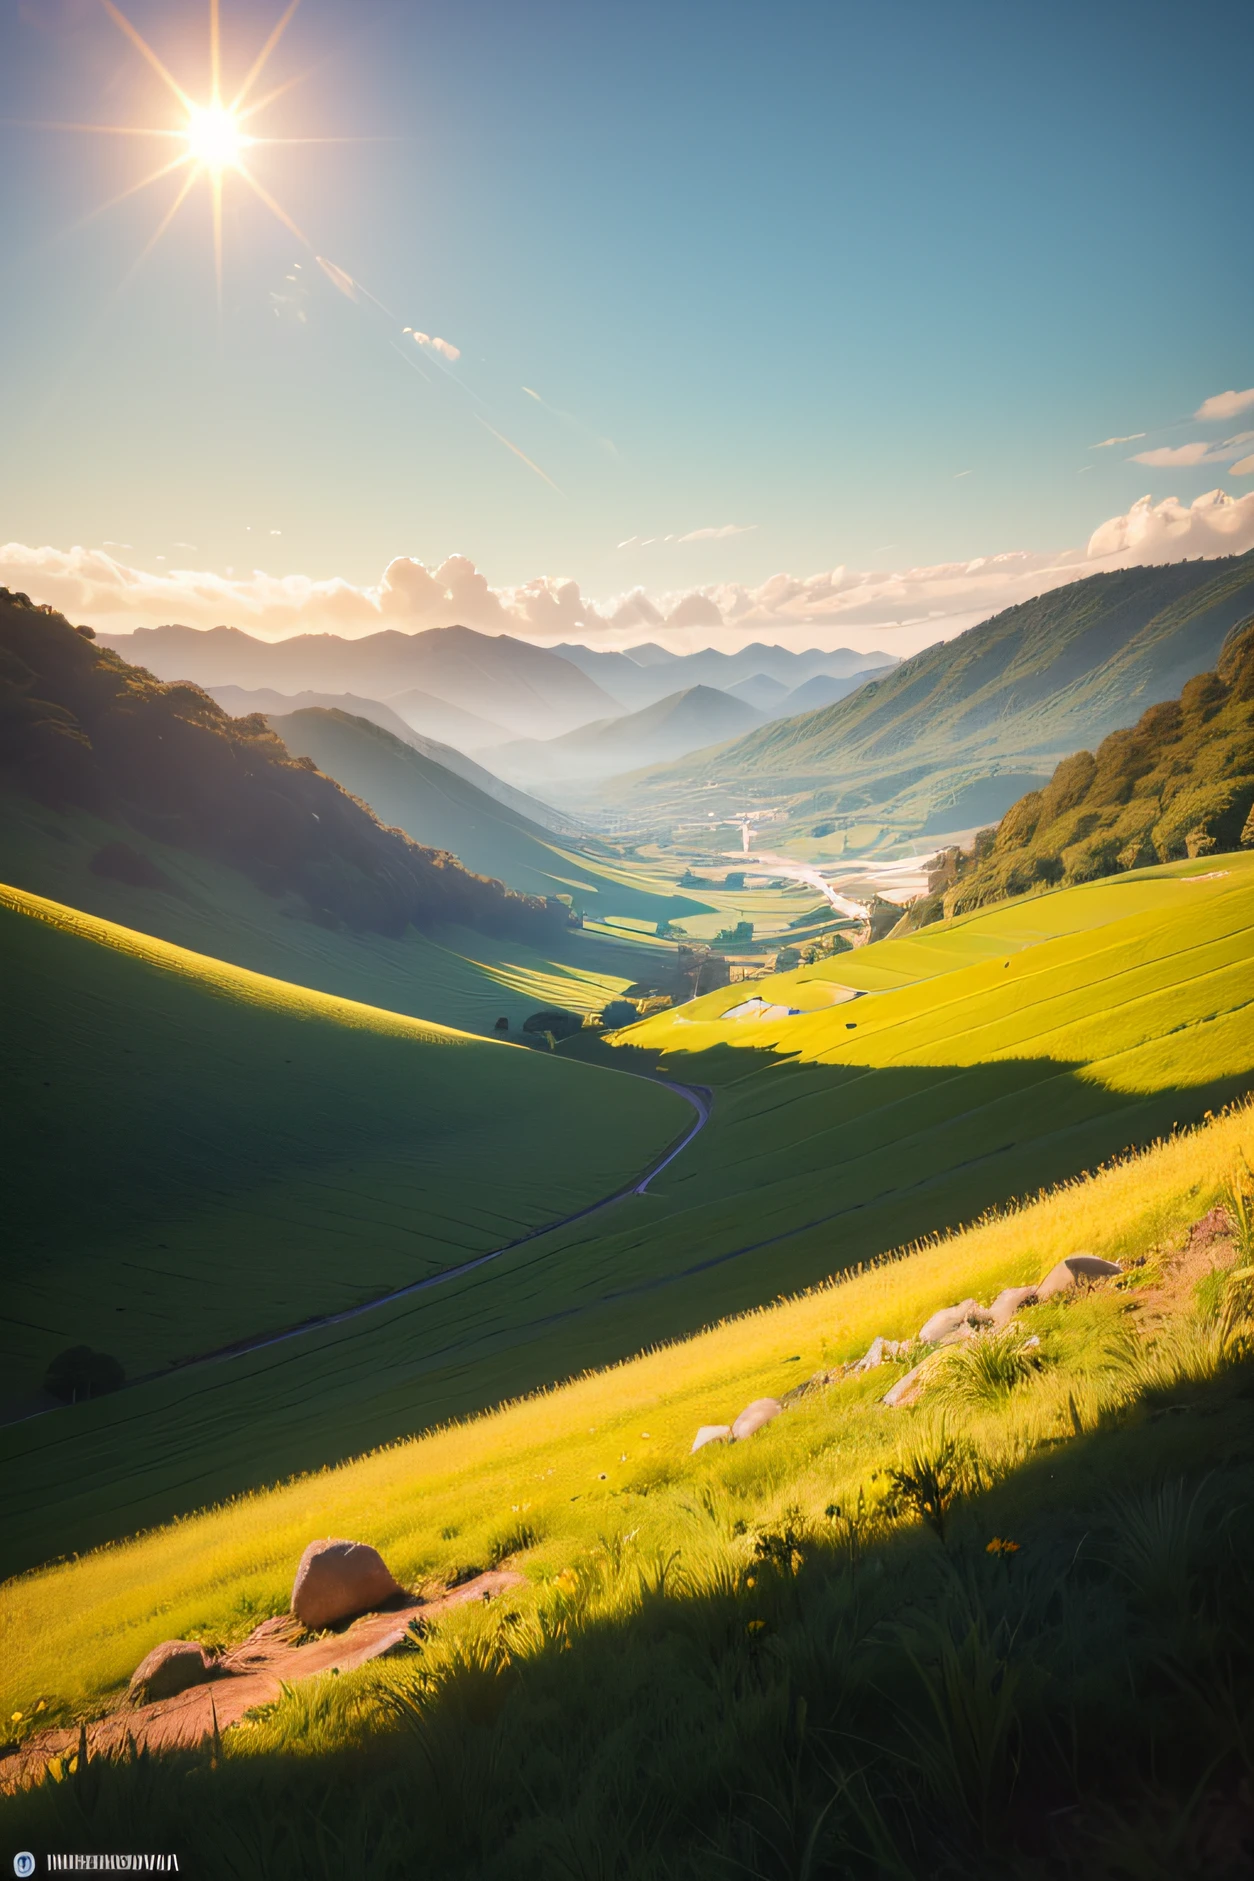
{"x":756,"y":1626}
{"x":16,"y":1718}
{"x":998,"y":1546}
{"x":750,"y":1580}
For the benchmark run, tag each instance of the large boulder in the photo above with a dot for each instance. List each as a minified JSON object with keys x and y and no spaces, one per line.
{"x":338,"y":1579}
{"x":953,"y":1322}
{"x":754,"y":1415}
{"x":168,"y":1670}
{"x":1074,"y":1268}
{"x":710,"y":1433}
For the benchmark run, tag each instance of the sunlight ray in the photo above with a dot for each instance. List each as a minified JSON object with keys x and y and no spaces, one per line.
{"x":268,"y":98}
{"x":154,"y":176}
{"x":259,"y":63}
{"x":145,"y":50}
{"x":501,"y":437}
{"x":215,"y":53}
{"x":103,"y":130}
{"x":276,"y":209}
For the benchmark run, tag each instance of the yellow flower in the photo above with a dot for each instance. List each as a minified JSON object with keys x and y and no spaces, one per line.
{"x":998,"y":1546}
{"x":756,"y":1626}
{"x":16,"y":1718}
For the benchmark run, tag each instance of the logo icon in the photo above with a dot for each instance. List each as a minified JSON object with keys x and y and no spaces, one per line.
{"x":24,"y":1864}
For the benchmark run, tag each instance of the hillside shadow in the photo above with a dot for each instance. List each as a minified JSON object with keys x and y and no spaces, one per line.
{"x":1062,"y":1686}
{"x":872,"y":1160}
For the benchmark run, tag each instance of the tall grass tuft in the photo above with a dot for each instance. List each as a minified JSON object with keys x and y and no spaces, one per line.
{"x":982,"y":1372}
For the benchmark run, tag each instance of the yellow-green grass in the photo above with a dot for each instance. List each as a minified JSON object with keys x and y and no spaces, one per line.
{"x":455,"y":977}
{"x":199,"y":1154}
{"x":609,"y":1455}
{"x":980,"y":1084}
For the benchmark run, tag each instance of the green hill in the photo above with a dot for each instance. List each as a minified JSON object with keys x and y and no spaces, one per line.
{"x":198,"y":1154}
{"x":435,"y":806}
{"x":667,"y":729}
{"x":1013,"y":1047}
{"x":82,"y":728}
{"x":1039,"y":679}
{"x":1180,"y":782}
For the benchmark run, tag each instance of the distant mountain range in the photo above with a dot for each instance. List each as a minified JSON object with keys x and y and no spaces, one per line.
{"x":674,"y":725}
{"x":645,"y":674}
{"x":519,"y":689}
{"x":1032,"y":683}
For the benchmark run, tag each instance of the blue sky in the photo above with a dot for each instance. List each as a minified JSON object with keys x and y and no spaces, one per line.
{"x":791,"y":268}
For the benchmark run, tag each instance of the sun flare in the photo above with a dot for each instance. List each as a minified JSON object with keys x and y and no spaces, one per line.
{"x":215,"y":139}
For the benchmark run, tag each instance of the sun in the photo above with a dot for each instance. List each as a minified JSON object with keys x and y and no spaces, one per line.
{"x":212,"y":141}
{"x":216,"y":140}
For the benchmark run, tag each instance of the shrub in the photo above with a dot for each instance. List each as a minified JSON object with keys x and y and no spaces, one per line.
{"x":618,"y":1012}
{"x":80,"y":1373}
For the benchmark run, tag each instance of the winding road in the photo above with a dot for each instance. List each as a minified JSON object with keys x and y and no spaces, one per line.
{"x":698,"y":1095}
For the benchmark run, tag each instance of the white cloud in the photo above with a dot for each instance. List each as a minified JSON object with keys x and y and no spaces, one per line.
{"x":1107,"y":442}
{"x":898,"y":608}
{"x":434,"y":344}
{"x":717,"y":535}
{"x":1167,"y":457}
{"x":1244,"y":469}
{"x":1226,"y":404}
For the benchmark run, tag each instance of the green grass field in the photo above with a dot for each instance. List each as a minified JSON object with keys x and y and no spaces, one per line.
{"x":200,"y":1154}
{"x":767,"y":1637}
{"x":961,"y":1089}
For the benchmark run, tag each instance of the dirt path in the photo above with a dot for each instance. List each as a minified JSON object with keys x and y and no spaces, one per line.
{"x":275,"y":1654}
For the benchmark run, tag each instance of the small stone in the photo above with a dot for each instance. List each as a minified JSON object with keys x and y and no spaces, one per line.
{"x":169,"y":1669}
{"x":754,"y":1416}
{"x":904,"y":1388}
{"x":710,"y":1433}
{"x":338,"y":1579}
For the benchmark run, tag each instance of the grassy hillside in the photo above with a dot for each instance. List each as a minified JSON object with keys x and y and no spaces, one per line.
{"x":1181,"y":781}
{"x":434,"y":806}
{"x":1041,"y":678}
{"x":199,"y":1154}
{"x":766,"y":1643}
{"x":83,"y":728}
{"x":453,"y":975}
{"x":1125,"y":1009}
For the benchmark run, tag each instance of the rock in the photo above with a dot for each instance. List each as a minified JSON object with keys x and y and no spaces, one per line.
{"x":904,"y":1388}
{"x":754,"y":1415}
{"x":880,"y":1350}
{"x":818,"y":1381}
{"x":953,"y":1322}
{"x":337,"y":1579}
{"x":169,"y":1669}
{"x":1007,"y":1304}
{"x":1063,"y":1277}
{"x":710,"y":1433}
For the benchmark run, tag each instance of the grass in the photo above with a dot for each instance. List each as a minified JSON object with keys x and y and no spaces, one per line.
{"x":1001,"y":1640}
{"x":200,"y":1153}
{"x":960,"y":1091}
{"x":454,"y":977}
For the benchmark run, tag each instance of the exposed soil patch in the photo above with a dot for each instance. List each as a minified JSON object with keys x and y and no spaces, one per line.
{"x":276,"y":1653}
{"x":1171,"y":1292}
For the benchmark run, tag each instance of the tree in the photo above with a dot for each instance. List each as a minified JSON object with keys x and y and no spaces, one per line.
{"x":502,"y":1025}
{"x":79,"y":1372}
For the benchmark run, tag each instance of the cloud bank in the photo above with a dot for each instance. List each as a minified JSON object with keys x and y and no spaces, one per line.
{"x":900,"y":609}
{"x":1226,"y":404}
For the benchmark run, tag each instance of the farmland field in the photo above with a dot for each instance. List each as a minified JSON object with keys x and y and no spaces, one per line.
{"x":1125,"y":1009}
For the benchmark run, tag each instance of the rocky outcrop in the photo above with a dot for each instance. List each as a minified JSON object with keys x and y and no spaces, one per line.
{"x":754,"y":1416}
{"x":710,"y":1433}
{"x":337,"y":1580}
